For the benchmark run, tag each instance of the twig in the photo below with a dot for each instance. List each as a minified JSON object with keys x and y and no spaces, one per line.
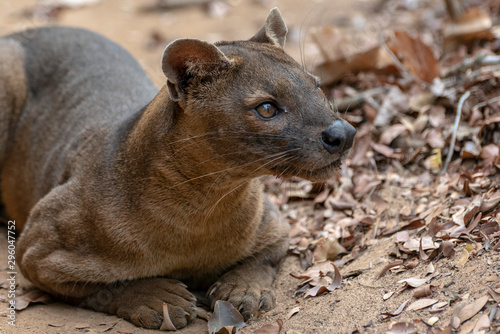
{"x":490,"y":60}
{"x":474,"y":75}
{"x":467,"y":63}
{"x":455,"y":129}
{"x":464,"y":65}
{"x":173,"y":4}
{"x":356,"y":100}
{"x":455,"y":81}
{"x":485,"y":103}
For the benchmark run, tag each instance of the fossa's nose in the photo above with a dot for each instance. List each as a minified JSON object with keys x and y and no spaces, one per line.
{"x":338,"y":137}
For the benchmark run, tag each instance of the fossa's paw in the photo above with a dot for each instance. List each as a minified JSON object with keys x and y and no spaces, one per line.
{"x":248,"y":297}
{"x":141,"y":302}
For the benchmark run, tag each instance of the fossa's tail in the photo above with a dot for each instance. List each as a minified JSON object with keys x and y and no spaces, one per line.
{"x":13,"y":89}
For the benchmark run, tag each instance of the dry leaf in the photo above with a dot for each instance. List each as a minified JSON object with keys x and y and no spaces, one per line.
{"x":470,"y":150}
{"x":448,"y":249}
{"x":494,"y":294}
{"x":490,"y":153}
{"x":336,"y":279}
{"x":421,"y":303}
{"x":56,"y":325}
{"x":82,"y":326}
{"x":438,"y":307}
{"x":108,"y":326}
{"x":386,"y":151}
{"x":394,"y":102}
{"x":360,"y":151}
{"x":226,"y":330}
{"x":316,"y":291}
{"x":422,"y":100}
{"x":416,"y":56}
{"x":391,"y":133}
{"x":271,"y":328}
{"x":483,"y":324}
{"x":414,"y":244}
{"x":471,"y":25}
{"x":402,"y":328}
{"x":468,"y":326}
{"x":402,"y":236}
{"x":389,"y":266}
{"x":397,"y":311}
{"x":365,"y":185}
{"x":388,"y":295}
{"x":434,"y":161}
{"x":464,"y":257}
{"x":435,"y":140}
{"x":490,"y":203}
{"x":317,"y":270}
{"x":414,"y":281}
{"x":3,"y":284}
{"x":124,"y":331}
{"x":345,"y":52}
{"x":471,"y":309}
{"x":423,"y":291}
{"x":430,"y":269}
{"x":293,"y":312}
{"x":327,"y":249}
{"x":32,"y":297}
{"x":224,"y":315}
{"x":412,"y":263}
{"x":322,"y":281}
{"x":463,"y":216}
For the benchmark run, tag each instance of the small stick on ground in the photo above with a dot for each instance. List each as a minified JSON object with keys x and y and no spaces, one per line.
{"x":479,"y":60}
{"x":485,"y":103}
{"x":173,"y":4}
{"x":455,"y":129}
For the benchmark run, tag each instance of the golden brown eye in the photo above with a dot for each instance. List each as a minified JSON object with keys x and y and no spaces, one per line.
{"x":267,"y":110}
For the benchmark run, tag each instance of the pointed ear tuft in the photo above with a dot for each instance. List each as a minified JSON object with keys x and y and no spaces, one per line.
{"x":184,"y":59}
{"x":273,"y":31}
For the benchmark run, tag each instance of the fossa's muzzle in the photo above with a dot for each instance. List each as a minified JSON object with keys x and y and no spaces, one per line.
{"x":338,"y":137}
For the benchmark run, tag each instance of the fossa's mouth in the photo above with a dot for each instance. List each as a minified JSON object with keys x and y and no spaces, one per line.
{"x":316,"y":174}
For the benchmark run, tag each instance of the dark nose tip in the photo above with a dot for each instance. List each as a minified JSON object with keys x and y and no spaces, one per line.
{"x":338,"y":137}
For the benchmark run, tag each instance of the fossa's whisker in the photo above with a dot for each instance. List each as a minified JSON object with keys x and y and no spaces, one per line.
{"x":227,"y":169}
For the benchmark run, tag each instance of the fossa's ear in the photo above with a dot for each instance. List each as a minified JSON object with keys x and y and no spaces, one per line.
{"x":184,"y":59}
{"x":273,"y":31}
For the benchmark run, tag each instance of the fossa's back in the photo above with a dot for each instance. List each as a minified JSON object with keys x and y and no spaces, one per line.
{"x":76,"y":81}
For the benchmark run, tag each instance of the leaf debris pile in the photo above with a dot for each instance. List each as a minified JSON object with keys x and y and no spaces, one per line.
{"x":416,"y":96}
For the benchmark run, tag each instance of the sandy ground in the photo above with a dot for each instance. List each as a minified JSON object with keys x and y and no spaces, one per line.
{"x":357,"y":305}
{"x":127,"y":23}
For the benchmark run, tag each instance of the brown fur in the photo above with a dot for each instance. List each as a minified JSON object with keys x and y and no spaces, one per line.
{"x":120,"y":189}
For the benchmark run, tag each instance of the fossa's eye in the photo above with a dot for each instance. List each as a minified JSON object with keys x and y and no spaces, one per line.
{"x":267,"y":110}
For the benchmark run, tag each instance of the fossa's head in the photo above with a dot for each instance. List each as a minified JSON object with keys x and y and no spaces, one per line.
{"x":254,"y":109}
